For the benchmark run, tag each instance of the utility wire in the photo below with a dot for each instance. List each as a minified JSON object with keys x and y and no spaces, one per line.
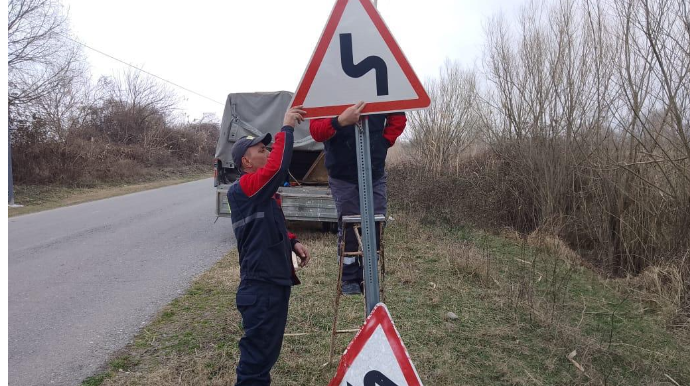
{"x":142,"y":70}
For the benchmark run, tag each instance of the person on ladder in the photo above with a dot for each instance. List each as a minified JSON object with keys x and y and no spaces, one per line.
{"x":338,"y":137}
{"x":264,"y":245}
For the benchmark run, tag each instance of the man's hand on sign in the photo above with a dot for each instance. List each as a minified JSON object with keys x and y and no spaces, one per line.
{"x":294,"y":116}
{"x":351,"y":114}
{"x":303,"y":254}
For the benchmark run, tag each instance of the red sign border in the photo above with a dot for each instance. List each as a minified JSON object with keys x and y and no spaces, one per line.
{"x":379,"y":317}
{"x":373,"y":107}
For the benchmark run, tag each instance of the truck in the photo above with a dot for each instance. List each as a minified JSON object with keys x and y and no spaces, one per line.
{"x":305,"y":194}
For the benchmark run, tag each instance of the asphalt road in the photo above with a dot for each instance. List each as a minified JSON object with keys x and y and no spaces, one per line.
{"x":84,"y":279}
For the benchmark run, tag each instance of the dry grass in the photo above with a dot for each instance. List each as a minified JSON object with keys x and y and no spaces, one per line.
{"x":521,"y":311}
{"x":552,"y":245}
{"x":399,"y":153}
{"x":39,"y":198}
{"x":664,"y":289}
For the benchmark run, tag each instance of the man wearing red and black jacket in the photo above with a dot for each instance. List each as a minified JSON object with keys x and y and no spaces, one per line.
{"x":338,"y":137}
{"x":264,"y":245}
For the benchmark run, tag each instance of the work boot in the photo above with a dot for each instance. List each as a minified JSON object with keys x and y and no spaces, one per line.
{"x":351,"y":288}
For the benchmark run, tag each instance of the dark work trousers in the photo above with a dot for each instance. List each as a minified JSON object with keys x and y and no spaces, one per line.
{"x":346,"y":197}
{"x":264,"y":310}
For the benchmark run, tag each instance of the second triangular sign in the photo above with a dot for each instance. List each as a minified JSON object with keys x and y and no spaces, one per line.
{"x":376,"y":356}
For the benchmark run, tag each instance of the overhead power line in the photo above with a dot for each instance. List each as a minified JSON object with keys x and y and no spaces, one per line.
{"x":142,"y":70}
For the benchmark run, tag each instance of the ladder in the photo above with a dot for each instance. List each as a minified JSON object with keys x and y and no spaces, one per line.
{"x":355,"y":222}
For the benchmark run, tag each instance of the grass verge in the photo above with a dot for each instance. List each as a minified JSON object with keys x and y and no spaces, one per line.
{"x":37,"y":198}
{"x":527,"y":313}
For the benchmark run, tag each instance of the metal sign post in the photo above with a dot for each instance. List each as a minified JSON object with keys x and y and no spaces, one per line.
{"x":366,"y":207}
{"x":10,"y":180}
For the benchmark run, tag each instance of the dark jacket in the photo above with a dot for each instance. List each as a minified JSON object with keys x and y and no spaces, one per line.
{"x":264,"y":244}
{"x":340,"y":143}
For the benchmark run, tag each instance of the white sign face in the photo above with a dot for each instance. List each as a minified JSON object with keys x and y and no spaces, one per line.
{"x":357,"y":59}
{"x":376,"y":356}
{"x":332,"y":86}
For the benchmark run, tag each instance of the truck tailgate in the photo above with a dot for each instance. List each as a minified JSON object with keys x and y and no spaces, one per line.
{"x":308,"y":203}
{"x":300,"y":203}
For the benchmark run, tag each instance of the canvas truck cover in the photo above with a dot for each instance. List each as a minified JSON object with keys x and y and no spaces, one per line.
{"x":255,"y":114}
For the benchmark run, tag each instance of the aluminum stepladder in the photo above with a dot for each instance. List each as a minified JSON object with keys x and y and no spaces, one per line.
{"x":354,"y":222}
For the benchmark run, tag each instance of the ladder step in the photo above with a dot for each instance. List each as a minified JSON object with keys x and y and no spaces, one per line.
{"x":358,"y":219}
{"x":350,"y":254}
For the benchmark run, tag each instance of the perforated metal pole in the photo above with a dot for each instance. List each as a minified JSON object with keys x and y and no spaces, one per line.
{"x":366,"y":207}
{"x":10,"y":182}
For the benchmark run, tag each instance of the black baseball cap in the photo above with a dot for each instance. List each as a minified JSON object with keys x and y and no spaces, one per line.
{"x":240,"y":147}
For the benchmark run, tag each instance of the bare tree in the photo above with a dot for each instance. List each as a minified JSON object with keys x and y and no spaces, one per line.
{"x":39,"y":56}
{"x":588,"y":102}
{"x":141,"y":108}
{"x":64,"y":106}
{"x":441,"y":133}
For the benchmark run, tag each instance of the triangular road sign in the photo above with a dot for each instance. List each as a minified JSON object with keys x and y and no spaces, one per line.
{"x":357,"y":59}
{"x":376,"y":356}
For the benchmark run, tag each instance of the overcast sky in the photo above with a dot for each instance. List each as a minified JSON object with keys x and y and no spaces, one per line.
{"x":215,"y":47}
